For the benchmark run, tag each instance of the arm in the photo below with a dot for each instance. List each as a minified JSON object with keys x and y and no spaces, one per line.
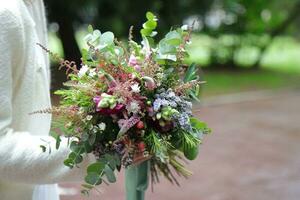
{"x":21,"y":158}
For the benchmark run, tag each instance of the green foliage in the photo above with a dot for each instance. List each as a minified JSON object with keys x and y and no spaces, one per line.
{"x":199,"y":126}
{"x":149,"y":26}
{"x":73,"y":97}
{"x":191,"y":75}
{"x":158,"y":145}
{"x":168,"y":47}
{"x":109,"y":174}
{"x":44,"y":148}
{"x":105,"y":166}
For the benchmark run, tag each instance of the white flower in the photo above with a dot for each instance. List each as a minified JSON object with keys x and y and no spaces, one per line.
{"x":81,"y":110}
{"x":102,"y":126}
{"x":68,"y":125}
{"x":133,"y":107}
{"x":89,"y":117}
{"x":92,"y":73}
{"x":83,"y":70}
{"x":135,"y":88}
{"x":184,"y":27}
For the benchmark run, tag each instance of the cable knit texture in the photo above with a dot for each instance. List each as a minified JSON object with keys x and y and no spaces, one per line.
{"x":24,"y":87}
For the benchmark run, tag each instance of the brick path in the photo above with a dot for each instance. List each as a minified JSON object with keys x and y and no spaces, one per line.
{"x":253,"y":154}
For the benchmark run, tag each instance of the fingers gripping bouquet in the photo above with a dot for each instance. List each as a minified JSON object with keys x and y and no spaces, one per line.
{"x":129,"y":105}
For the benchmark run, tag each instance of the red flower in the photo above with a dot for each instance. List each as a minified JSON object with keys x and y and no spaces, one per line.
{"x":107,"y":111}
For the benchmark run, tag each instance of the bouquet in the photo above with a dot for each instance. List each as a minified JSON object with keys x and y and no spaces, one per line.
{"x":131,"y":106}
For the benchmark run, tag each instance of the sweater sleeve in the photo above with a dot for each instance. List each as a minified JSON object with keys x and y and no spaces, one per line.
{"x":21,"y":158}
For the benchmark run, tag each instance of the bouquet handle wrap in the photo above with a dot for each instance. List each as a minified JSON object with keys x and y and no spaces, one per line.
{"x":136,"y":181}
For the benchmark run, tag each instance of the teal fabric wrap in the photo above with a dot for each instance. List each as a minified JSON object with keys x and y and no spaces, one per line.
{"x":136,"y":181}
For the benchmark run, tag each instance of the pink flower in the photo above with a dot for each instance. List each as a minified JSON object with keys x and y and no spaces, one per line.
{"x":137,"y":67}
{"x":132,"y":60}
{"x":150,"y":111}
{"x":149,"y":82}
{"x":126,"y":124}
{"x":97,"y":99}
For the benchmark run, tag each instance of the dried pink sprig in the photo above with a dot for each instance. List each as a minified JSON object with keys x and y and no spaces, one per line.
{"x":71,"y":66}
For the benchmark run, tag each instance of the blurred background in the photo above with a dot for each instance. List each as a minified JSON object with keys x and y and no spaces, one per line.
{"x":249,"y":54}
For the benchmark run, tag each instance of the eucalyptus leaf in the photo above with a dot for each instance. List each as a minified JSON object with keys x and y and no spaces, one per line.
{"x":150,"y":25}
{"x":58,"y":141}
{"x":93,"y":179}
{"x":109,"y":174}
{"x":69,"y":162}
{"x":76,"y":147}
{"x":96,"y":168}
{"x":107,"y":38}
{"x":92,"y":138}
{"x":150,"y":16}
{"x":90,"y":29}
{"x":75,"y":157}
{"x":87,"y":186}
{"x":43,"y":148}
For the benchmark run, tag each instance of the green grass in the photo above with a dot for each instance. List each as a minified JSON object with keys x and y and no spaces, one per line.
{"x":280,"y":67}
{"x":227,"y":82}
{"x":283,"y":54}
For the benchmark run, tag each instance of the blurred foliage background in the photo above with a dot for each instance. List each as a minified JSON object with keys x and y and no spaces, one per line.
{"x":241,"y":45}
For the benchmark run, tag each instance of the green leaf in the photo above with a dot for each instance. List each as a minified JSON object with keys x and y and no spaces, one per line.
{"x":76,"y":147}
{"x":87,"y":186}
{"x":92,"y":139}
{"x":43,"y":148}
{"x":117,"y":159}
{"x":109,"y":174}
{"x":107,"y":38}
{"x":75,"y":157}
{"x":85,"y":137}
{"x":93,"y":179}
{"x":88,"y":148}
{"x":58,"y":141}
{"x":146,"y":32}
{"x":69,"y":163}
{"x":150,"y":25}
{"x":150,"y":16}
{"x":199,"y":125}
{"x":165,"y":48}
{"x":85,"y":192}
{"x":174,"y":38}
{"x":96,"y":168}
{"x":194,"y":96}
{"x":191,"y":73}
{"x":90,"y":29}
{"x":191,"y":152}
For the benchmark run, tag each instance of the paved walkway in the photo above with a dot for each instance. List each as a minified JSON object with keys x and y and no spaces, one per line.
{"x":253,"y":154}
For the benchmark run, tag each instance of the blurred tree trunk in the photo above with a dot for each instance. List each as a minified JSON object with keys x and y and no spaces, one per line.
{"x":62,"y":14}
{"x":67,"y":36}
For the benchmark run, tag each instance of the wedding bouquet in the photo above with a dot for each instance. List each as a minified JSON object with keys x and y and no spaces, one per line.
{"x":130,"y":104}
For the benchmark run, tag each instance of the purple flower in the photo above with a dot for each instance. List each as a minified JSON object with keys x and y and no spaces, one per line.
{"x":97,"y":99}
{"x":126,"y":124}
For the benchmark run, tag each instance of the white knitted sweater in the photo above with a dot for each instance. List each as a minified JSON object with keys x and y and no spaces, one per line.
{"x":24,"y":87}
